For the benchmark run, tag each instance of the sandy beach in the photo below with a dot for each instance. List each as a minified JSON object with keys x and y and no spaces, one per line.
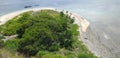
{"x":5,"y":18}
{"x":93,"y":45}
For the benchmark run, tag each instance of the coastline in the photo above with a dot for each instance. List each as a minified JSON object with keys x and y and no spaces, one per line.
{"x":82,"y":23}
{"x":90,"y":38}
{"x":5,"y":18}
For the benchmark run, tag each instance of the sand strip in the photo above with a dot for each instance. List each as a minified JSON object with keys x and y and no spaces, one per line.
{"x":5,"y":18}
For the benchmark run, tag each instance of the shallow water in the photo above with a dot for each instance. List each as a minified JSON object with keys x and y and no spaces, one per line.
{"x":103,"y":15}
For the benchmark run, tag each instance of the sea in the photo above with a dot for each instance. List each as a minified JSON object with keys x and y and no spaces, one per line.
{"x":103,"y":15}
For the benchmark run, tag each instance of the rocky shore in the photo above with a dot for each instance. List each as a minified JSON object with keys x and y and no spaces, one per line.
{"x":91,"y":39}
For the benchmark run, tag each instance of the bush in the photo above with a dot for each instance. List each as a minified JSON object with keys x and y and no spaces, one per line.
{"x":1,"y":43}
{"x":1,"y":37}
{"x":41,"y":53}
{"x":11,"y":45}
{"x":54,"y":47}
{"x":85,"y":55}
{"x":53,"y":56}
{"x":45,"y":54}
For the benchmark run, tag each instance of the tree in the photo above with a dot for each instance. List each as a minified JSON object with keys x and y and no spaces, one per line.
{"x":61,"y":14}
{"x":1,"y":43}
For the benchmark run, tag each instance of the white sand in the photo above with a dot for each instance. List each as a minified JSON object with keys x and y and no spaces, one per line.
{"x":5,"y":18}
{"x":83,"y":23}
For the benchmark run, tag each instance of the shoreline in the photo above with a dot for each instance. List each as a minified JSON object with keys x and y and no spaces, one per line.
{"x":90,"y":38}
{"x":81,"y":22}
{"x":5,"y":18}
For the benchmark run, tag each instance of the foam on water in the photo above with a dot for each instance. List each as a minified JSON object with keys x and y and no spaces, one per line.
{"x":105,"y":35}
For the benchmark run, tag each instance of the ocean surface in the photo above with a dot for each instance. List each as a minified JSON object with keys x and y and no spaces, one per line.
{"x":103,"y":15}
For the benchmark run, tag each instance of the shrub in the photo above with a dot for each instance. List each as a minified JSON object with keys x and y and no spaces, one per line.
{"x":11,"y":45}
{"x":54,"y":47}
{"x":1,"y":37}
{"x":53,"y":56}
{"x":41,"y":53}
{"x":85,"y":55}
{"x":1,"y":43}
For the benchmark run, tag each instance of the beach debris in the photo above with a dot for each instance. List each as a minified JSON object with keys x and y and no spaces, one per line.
{"x":85,"y":38}
{"x":9,"y":37}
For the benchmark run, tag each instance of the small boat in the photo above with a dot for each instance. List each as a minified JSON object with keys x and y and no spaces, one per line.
{"x":27,"y":6}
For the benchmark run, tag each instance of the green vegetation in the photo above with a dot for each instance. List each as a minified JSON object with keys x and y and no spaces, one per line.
{"x":44,"y":34}
{"x":1,"y":43}
{"x":1,"y":37}
{"x":11,"y":45}
{"x":86,"y":56}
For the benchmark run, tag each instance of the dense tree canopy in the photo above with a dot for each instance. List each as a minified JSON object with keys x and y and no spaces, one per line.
{"x":44,"y":30}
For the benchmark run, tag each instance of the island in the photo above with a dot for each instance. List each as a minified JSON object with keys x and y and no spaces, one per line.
{"x":43,"y":33}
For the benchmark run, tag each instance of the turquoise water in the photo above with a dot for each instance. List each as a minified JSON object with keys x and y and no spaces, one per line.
{"x":104,"y":15}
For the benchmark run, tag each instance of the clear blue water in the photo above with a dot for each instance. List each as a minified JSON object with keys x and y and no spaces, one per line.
{"x":104,"y":15}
